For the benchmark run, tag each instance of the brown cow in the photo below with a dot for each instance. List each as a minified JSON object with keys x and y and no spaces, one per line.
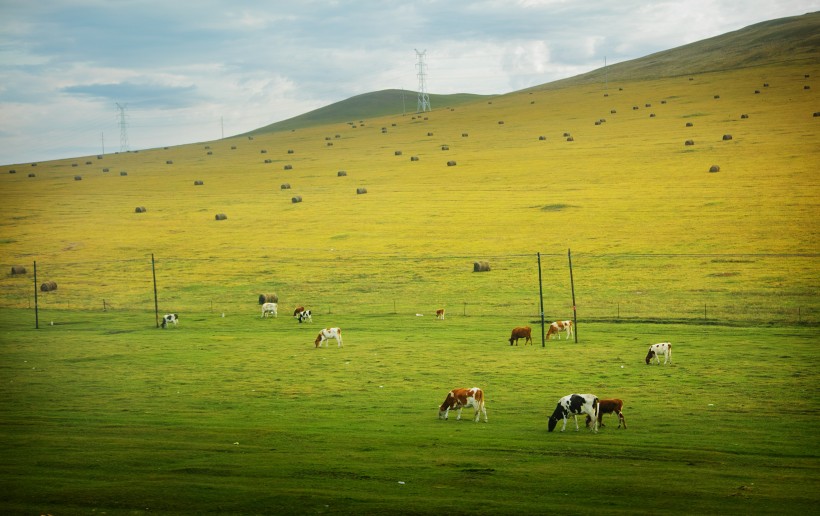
{"x":556,"y":327}
{"x":521,"y":333}
{"x":460,"y":398}
{"x":613,"y":406}
{"x":440,"y":314}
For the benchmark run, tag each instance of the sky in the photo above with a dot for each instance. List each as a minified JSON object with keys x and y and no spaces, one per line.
{"x":78,"y":75}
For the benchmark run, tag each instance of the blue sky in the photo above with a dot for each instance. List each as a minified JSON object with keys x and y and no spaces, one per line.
{"x":189,"y":71}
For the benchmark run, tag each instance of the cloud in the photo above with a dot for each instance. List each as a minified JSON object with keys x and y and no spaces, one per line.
{"x":146,"y":96}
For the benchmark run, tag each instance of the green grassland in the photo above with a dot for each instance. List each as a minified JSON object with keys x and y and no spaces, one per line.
{"x":231,"y":413}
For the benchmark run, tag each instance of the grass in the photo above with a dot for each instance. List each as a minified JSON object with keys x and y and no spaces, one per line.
{"x":227,"y":416}
{"x":103,"y":413}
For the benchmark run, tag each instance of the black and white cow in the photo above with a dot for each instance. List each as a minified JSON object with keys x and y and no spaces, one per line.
{"x":305,"y":316}
{"x":575,"y":404}
{"x":168,"y":319}
{"x":662,"y":348}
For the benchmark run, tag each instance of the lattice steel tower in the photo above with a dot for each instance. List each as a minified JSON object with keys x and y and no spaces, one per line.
{"x":424,"y":99}
{"x":123,"y":127}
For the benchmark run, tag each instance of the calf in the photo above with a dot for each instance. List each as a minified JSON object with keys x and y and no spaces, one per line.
{"x":327,"y":334}
{"x":663,"y":348}
{"x":613,"y":406}
{"x":556,"y":327}
{"x":440,"y":314}
{"x":460,"y":398}
{"x":269,"y":309}
{"x":524,"y":332}
{"x":168,"y":319}
{"x":575,"y":404}
{"x":305,"y":316}
{"x":298,"y":310}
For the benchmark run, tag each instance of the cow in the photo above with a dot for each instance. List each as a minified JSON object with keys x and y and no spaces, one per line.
{"x":663,"y":348}
{"x":613,"y":406}
{"x":575,"y":404}
{"x":305,"y":316}
{"x":440,"y":314}
{"x":268,"y":309}
{"x":556,"y":327}
{"x":168,"y":319}
{"x":327,"y":334}
{"x":298,"y":310}
{"x":521,"y":333}
{"x":460,"y":398}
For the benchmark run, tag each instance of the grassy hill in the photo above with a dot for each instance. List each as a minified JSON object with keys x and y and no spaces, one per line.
{"x":232,"y":413}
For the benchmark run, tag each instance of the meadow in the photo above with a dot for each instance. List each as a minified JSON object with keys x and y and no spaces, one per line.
{"x":228,"y":413}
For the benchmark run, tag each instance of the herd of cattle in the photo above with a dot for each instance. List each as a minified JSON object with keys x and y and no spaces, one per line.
{"x":457,"y":399}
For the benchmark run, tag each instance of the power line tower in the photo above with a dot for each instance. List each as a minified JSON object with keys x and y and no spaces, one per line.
{"x":423,"y":99}
{"x":123,"y":127}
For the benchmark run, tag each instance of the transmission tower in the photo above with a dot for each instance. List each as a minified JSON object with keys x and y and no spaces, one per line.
{"x":424,"y":99}
{"x":123,"y":127}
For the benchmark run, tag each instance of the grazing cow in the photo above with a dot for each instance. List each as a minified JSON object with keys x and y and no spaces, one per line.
{"x":298,"y":310}
{"x":613,"y":406}
{"x":460,"y":398}
{"x":575,"y":404}
{"x":440,"y":314}
{"x":269,"y":309}
{"x":663,"y":348}
{"x":521,"y":333}
{"x":327,"y":334}
{"x":305,"y":316}
{"x":168,"y":319}
{"x":558,"y":326}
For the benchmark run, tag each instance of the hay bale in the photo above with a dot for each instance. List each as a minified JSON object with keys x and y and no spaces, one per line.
{"x":727,"y":137}
{"x":414,"y":158}
{"x":500,"y":122}
{"x":714,"y":168}
{"x":765,"y":84}
{"x":757,"y":92}
{"x":17,"y":269}
{"x":48,"y":286}
{"x":78,"y":178}
{"x":290,"y":151}
{"x":429,"y":134}
{"x":689,"y":124}
{"x":451,"y":163}
{"x":816,"y":113}
{"x":268,"y":161}
{"x":542,"y":138}
{"x":210,"y":153}
{"x":613,"y":111}
{"x":807,"y":87}
{"x":105,"y":170}
{"x":689,"y":142}
{"x":717,"y":96}
{"x":285,"y":186}
{"x":233,"y":147}
{"x":74,"y":165}
{"x":743,"y":116}
{"x":330,"y":144}
{"x":12,"y":171}
{"x":268,"y":298}
{"x":481,"y":266}
{"x":295,"y":199}
{"x":199,"y":182}
{"x":651,"y":115}
{"x":360,"y":191}
{"x":663,"y":102}
{"x":570,"y":139}
{"x":465,"y":135}
{"x":635,"y":108}
{"x":445,"y":147}
{"x":341,"y":173}
{"x":169,"y":162}
{"x":221,"y":216}
{"x":648,"y":105}
{"x":566,"y":134}
{"x":32,"y":175}
{"x":263,"y":151}
{"x":397,"y":153}
{"x":597,"y":122}
{"x":288,"y":167}
{"x":140,"y":209}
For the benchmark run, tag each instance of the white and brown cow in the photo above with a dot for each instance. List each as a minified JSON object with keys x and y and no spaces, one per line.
{"x":460,"y":398}
{"x":440,"y":314}
{"x":574,"y":404}
{"x":558,"y":326}
{"x":611,"y":406}
{"x":327,"y":334}
{"x":298,"y":310}
{"x":662,"y":348}
{"x":269,"y":309}
{"x":521,"y":332}
{"x":168,"y":319}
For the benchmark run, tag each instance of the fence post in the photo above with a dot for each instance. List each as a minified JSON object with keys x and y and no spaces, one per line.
{"x":156,"y":302}
{"x":572,"y":285}
{"x":36,"y":304}
{"x":541,"y":296}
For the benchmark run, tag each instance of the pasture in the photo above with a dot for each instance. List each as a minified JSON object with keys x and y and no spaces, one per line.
{"x":246,"y":416}
{"x":104,"y":413}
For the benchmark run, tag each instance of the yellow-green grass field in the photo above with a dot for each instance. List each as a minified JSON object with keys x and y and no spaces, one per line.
{"x":230,"y":413}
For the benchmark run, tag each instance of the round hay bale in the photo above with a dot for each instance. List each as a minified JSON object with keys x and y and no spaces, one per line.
{"x":613,"y":111}
{"x":570,"y":139}
{"x":73,"y":164}
{"x":500,"y":122}
{"x":327,"y":137}
{"x":268,"y":161}
{"x":689,"y":142}
{"x":288,"y":167}
{"x":17,"y":269}
{"x":689,"y":124}
{"x":542,"y":138}
{"x":445,"y":147}
{"x":263,"y":151}
{"x":341,"y":173}
{"x":566,"y":134}
{"x":48,"y":286}
{"x":268,"y":298}
{"x":429,"y":134}
{"x":414,"y":158}
{"x":717,"y":96}
{"x":663,"y":102}
{"x":465,"y":135}
{"x":743,"y":116}
{"x":78,"y":178}
{"x":635,"y":108}
{"x":757,"y":92}
{"x":597,"y":122}
{"x":140,"y":209}
{"x":330,"y":144}
{"x":360,"y":191}
{"x":714,"y":168}
{"x":233,"y":147}
{"x":451,"y":163}
{"x":221,"y":216}
{"x":482,"y":266}
{"x":105,"y":170}
{"x":807,"y":87}
{"x":199,"y":182}
{"x":210,"y":153}
{"x":295,"y":199}
{"x":12,"y":171}
{"x":285,"y":186}
{"x":32,"y":175}
{"x":765,"y":84}
{"x":727,"y":137}
{"x":648,"y":105}
{"x":123,"y":173}
{"x":397,"y":153}
{"x":651,"y":115}
{"x":816,"y":113}
{"x":169,"y":162}
{"x":290,"y":151}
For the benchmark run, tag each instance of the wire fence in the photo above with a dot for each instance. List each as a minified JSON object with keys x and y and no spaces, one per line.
{"x":717,"y":288}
